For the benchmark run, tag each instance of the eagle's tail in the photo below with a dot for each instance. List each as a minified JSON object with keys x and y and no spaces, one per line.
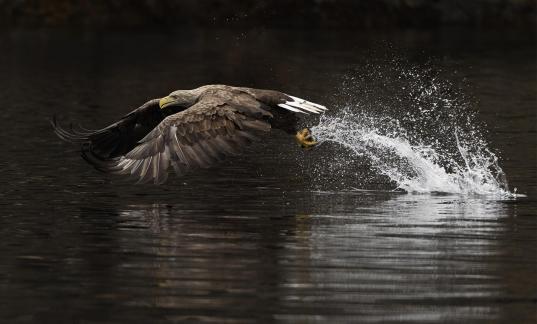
{"x":303,"y":106}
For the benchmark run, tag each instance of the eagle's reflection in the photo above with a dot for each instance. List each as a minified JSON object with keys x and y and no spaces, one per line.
{"x":212,"y":260}
{"x":403,"y":250}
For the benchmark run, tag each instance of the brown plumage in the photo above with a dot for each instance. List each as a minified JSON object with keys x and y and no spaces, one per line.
{"x":188,"y":129}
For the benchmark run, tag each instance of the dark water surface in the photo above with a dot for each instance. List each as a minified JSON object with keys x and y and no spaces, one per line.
{"x":258,"y":238}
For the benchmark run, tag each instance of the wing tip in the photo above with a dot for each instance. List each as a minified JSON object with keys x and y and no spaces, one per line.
{"x":70,"y":134}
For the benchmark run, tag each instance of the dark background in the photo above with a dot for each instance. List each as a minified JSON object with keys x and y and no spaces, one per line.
{"x":360,"y":14}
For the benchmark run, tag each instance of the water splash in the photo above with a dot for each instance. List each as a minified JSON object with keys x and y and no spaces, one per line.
{"x":422,"y":136}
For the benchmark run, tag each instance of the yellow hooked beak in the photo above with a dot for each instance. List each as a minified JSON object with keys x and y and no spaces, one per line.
{"x":166,"y":101}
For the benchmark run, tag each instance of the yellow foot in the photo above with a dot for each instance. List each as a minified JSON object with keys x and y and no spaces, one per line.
{"x":305,"y":139}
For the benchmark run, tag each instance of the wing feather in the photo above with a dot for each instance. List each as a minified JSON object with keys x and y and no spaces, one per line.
{"x":198,"y":137}
{"x":117,"y":139}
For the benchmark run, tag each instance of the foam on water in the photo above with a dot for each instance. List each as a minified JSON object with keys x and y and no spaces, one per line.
{"x":422,"y":136}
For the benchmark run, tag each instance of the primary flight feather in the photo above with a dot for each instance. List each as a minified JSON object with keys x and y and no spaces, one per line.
{"x":189,"y":129}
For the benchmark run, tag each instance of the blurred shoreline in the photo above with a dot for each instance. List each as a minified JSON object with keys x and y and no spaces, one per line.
{"x":329,"y":14}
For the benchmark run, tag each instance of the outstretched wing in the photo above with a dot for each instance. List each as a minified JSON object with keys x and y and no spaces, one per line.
{"x":118,"y":138}
{"x":221,"y":123}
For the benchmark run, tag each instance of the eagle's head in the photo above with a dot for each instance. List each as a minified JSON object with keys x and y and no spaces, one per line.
{"x":178,"y":99}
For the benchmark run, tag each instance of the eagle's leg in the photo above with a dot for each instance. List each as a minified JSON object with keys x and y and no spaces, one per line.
{"x":305,"y":139}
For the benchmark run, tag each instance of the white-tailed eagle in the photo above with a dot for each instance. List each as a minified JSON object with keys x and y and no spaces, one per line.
{"x":189,"y":129}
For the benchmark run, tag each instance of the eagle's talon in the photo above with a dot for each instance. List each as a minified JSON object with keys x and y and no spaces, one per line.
{"x":305,"y":139}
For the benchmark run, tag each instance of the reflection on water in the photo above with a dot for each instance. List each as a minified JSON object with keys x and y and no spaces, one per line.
{"x":262,"y":237}
{"x":426,"y":257}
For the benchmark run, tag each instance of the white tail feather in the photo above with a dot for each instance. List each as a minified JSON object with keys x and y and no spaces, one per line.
{"x":289,"y":108}
{"x":309,"y":103}
{"x":303,"y":106}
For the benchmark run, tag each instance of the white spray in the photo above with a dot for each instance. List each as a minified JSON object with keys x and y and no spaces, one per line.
{"x":422,"y":136}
